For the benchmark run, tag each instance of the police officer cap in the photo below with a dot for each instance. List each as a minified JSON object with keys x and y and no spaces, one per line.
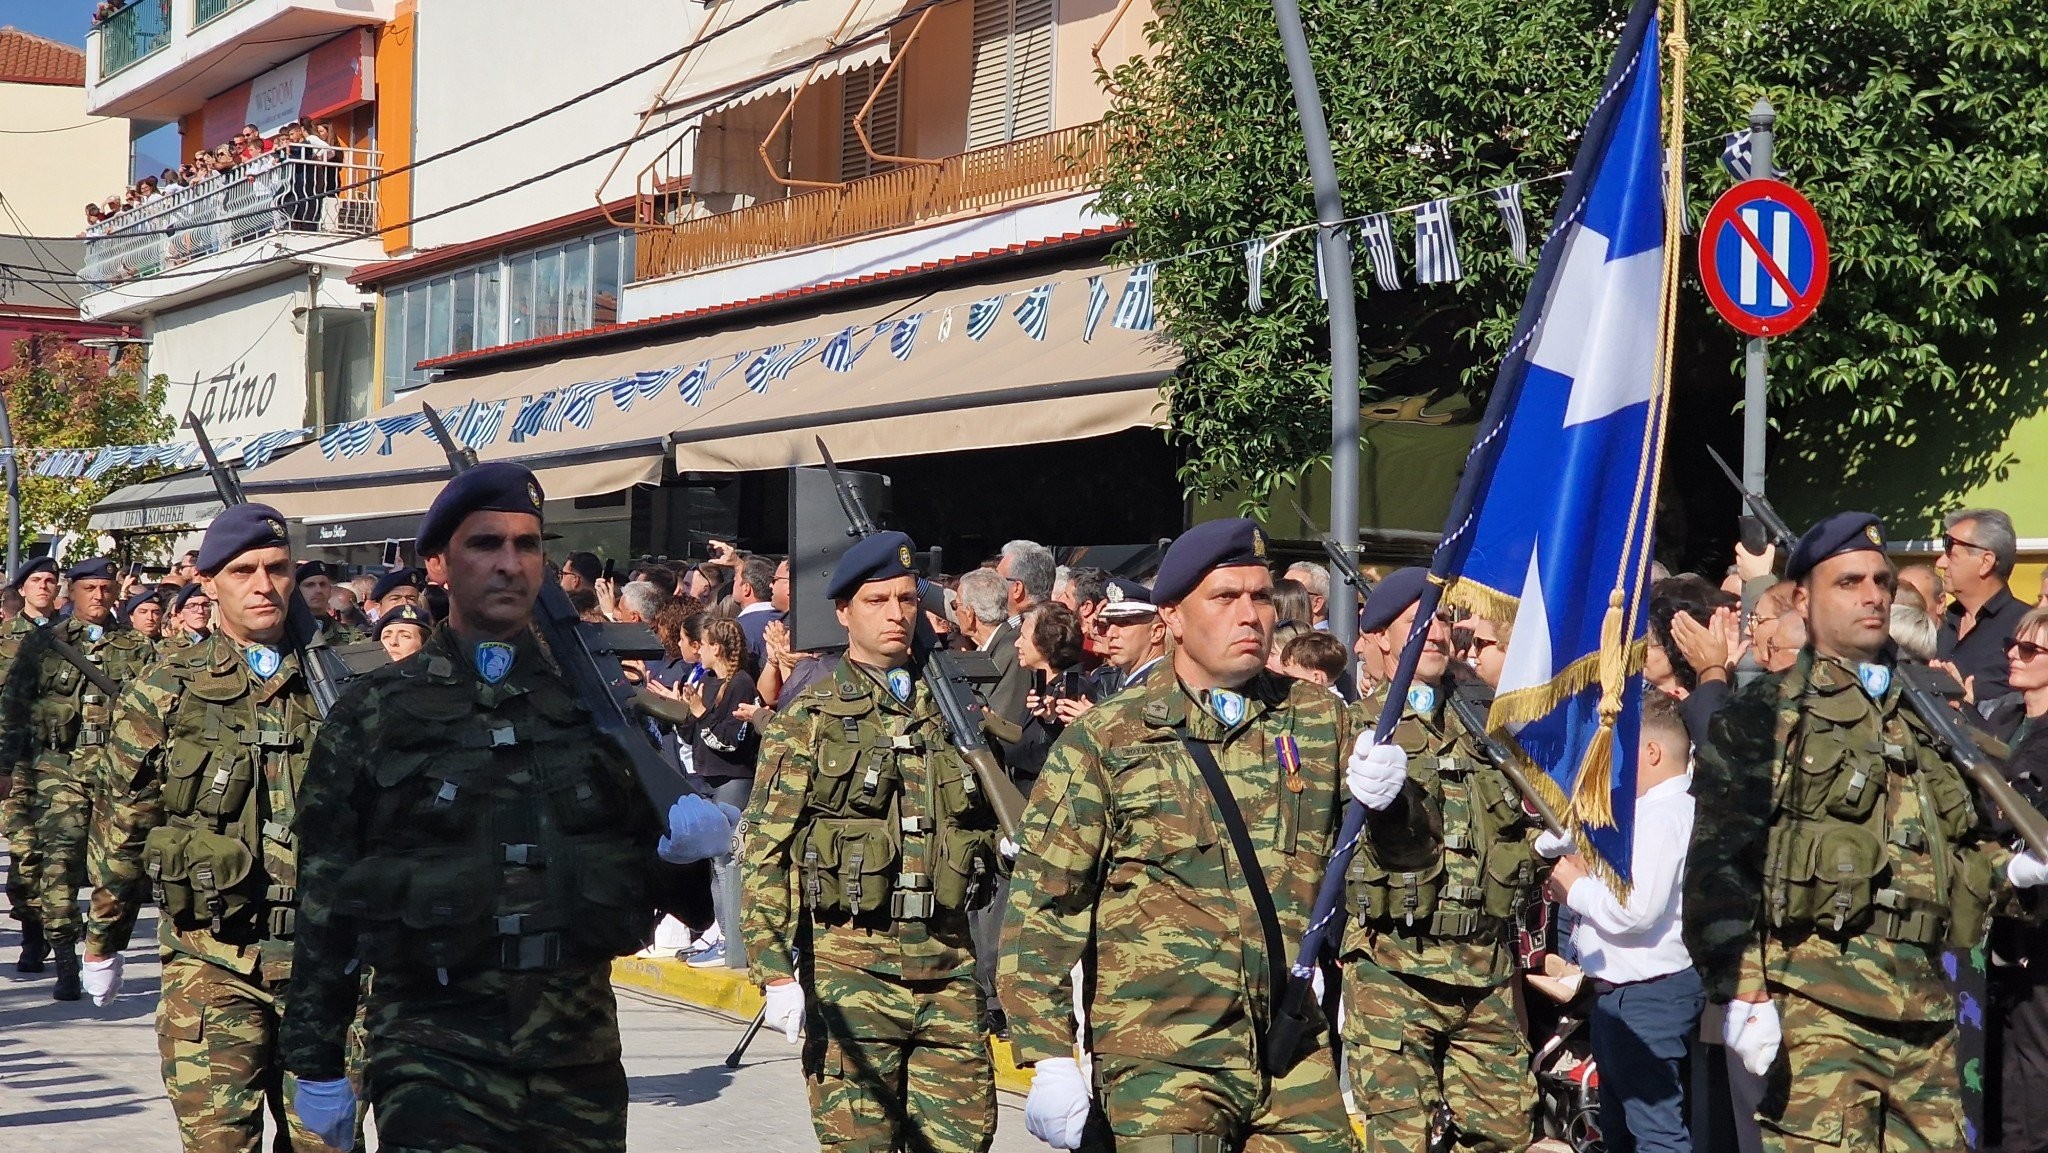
{"x":138,"y":600}
{"x":1215,"y":544}
{"x":405,"y":615}
{"x":31,"y":567}
{"x":240,"y":529}
{"x":99,"y":568}
{"x":1833,"y":536}
{"x":185,"y":596}
{"x":403,"y":578}
{"x":1126,"y":598}
{"x":1391,"y":597}
{"x":496,"y":486}
{"x":883,"y":556}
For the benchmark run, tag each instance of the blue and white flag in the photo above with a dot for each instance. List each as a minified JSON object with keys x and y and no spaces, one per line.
{"x":1035,"y":311}
{"x":1134,"y":309}
{"x":691,"y":384}
{"x":351,"y":439}
{"x":479,"y":426}
{"x":1098,"y":301}
{"x":1378,"y":233}
{"x":1552,"y":522}
{"x":904,"y":338}
{"x":392,"y":427}
{"x":533,"y":412}
{"x":261,"y":449}
{"x":1508,"y":202}
{"x":782,"y":366}
{"x":1436,"y":246}
{"x":839,"y":355}
{"x":1738,"y":156}
{"x":579,"y":405}
{"x":983,"y":314}
{"x":757,"y":369}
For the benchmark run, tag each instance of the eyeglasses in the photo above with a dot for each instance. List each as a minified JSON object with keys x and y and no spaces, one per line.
{"x":2024,"y":650}
{"x":1952,"y":543}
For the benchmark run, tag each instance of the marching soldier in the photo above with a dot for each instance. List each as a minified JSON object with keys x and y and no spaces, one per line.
{"x":190,"y":620}
{"x":1836,"y":853}
{"x":868,"y":845}
{"x":36,"y":581}
{"x":406,"y":586}
{"x":1430,"y":1025}
{"x":470,"y":834}
{"x":56,"y":723}
{"x":1132,"y":867}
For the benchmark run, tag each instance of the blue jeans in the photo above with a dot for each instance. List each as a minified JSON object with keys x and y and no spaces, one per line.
{"x":1642,"y":1036}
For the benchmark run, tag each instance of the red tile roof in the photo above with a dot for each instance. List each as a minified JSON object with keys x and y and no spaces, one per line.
{"x":29,"y":59}
{"x":829,"y":287}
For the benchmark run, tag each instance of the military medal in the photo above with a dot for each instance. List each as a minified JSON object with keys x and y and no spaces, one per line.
{"x":263,"y":660}
{"x":494,"y":660}
{"x":1876,"y":678}
{"x":1290,"y":760}
{"x":899,"y":683}
{"x":1422,"y":700}
{"x":1228,"y":706}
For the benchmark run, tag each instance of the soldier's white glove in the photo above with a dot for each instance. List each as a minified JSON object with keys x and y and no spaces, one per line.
{"x":698,"y":830}
{"x":328,"y":1109}
{"x":2026,"y":870}
{"x":1007,"y":847}
{"x":102,"y":979}
{"x":1376,"y":773}
{"x":1057,"y":1109}
{"x":1550,"y":846}
{"x":1752,"y":1032}
{"x":785,"y":1009}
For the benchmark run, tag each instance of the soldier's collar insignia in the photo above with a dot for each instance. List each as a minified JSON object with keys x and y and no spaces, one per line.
{"x":1227,"y":706}
{"x":494,"y":660}
{"x":1876,"y":678}
{"x":898,"y":681}
{"x":1422,"y":700}
{"x":95,"y":633}
{"x":263,"y":660}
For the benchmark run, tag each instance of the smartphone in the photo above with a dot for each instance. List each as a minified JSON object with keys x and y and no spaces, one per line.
{"x":391,"y":558}
{"x":1038,"y":681}
{"x":611,"y":569}
{"x":135,"y":569}
{"x":1070,"y":686}
{"x":696,"y":676}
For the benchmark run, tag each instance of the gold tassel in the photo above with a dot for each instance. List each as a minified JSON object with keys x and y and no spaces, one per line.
{"x":1593,"y":792}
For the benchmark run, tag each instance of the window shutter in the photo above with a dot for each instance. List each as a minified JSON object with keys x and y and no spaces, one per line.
{"x":988,"y":98}
{"x":1031,"y":69}
{"x":883,"y":118}
{"x":1011,"y":91}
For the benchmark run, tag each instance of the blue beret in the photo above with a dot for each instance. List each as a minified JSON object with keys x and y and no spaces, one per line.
{"x":311,"y":569}
{"x":237,"y":530}
{"x":32,"y":566}
{"x":1206,"y":546}
{"x":185,"y":596}
{"x":1391,"y":597}
{"x":883,"y":556}
{"x":406,"y":615}
{"x":98,"y":568}
{"x":1833,"y":536}
{"x":139,"y":599}
{"x":496,"y":486}
{"x":1127,"y":598}
{"x":405,"y":577}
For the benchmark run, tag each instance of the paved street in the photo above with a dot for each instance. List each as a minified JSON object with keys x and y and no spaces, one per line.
{"x":74,"y":1077}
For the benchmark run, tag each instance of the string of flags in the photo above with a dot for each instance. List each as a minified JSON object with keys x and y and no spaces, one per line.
{"x":480,"y":423}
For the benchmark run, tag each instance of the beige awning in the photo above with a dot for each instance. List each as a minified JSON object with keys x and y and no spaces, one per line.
{"x":770,"y":45}
{"x":952,"y":393}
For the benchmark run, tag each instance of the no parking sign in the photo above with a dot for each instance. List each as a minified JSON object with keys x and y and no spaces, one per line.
{"x":1764,"y":257}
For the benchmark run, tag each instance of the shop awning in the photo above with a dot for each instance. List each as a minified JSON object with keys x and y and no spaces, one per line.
{"x":949,"y":393}
{"x":769,"y":47}
{"x":181,"y":500}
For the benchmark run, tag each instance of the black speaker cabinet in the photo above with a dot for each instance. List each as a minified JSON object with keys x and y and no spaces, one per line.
{"x":818,"y":536}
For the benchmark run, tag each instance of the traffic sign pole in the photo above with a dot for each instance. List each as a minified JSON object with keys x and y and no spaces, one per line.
{"x":1756,"y":377}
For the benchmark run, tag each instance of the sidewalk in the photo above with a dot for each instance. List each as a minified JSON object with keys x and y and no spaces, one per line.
{"x":727,"y":991}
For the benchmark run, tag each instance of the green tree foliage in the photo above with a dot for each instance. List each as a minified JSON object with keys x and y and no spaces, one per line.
{"x":59,"y":395}
{"x":1914,"y":125}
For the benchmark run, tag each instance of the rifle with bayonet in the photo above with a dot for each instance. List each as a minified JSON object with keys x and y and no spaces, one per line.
{"x":325,"y":669}
{"x":951,"y":684}
{"x":590,"y":657}
{"x":1763,"y":526}
{"x":1920,"y":686}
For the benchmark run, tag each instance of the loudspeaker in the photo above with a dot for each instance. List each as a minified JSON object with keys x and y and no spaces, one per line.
{"x":818,"y":536}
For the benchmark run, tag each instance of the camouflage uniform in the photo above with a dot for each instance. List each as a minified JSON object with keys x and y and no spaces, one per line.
{"x":57,"y":724}
{"x":19,"y":810}
{"x":866,"y":845}
{"x":1430,"y":1021}
{"x":1836,"y":851}
{"x":1127,"y":869}
{"x":202,"y":780}
{"x":487,"y":852}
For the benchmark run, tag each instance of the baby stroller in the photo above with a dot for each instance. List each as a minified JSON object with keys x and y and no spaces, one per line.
{"x":1568,"y":1090}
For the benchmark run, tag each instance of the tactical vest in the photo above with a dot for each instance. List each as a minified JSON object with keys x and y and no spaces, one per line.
{"x":895,"y":819}
{"x":1837,"y":862}
{"x":500,"y":836}
{"x":69,"y":714}
{"x":1461,"y":871}
{"x":226,"y":859}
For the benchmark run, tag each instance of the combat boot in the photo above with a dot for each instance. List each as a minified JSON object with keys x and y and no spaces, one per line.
{"x":67,"y":987}
{"x":34,"y":949}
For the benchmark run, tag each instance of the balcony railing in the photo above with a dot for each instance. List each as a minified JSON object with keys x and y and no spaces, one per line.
{"x":132,"y":33}
{"x":204,"y":11}
{"x":295,"y":189}
{"x":1064,"y":161}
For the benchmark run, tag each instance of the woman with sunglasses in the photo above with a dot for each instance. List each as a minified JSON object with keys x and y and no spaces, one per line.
{"x":2019,"y":1029}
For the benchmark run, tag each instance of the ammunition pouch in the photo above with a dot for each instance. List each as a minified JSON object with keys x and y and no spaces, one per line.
{"x":420,"y":911}
{"x":1822,"y":876}
{"x":1510,"y":877}
{"x":201,"y":880}
{"x":1898,"y":916}
{"x":1406,"y":897}
{"x":845,"y":864}
{"x":964,"y":878}
{"x":1969,"y":904}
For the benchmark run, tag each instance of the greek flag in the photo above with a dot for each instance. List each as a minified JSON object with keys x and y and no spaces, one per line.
{"x":757,"y":372}
{"x":624,"y":391}
{"x":393,"y":427}
{"x":839,"y":355}
{"x":1508,"y":202}
{"x":1098,"y":302}
{"x":1378,"y":233}
{"x":479,"y":426}
{"x":579,"y":405}
{"x":1036,"y":311}
{"x":1134,"y":310}
{"x":1436,"y":249}
{"x":691,"y":384}
{"x":262,"y":448}
{"x":1255,"y":272}
{"x":1738,"y":156}
{"x":787,"y":362}
{"x":652,"y":382}
{"x":904,"y":338}
{"x":109,"y":458}
{"x":351,"y":439}
{"x":533,"y":411}
{"x":982,"y":314}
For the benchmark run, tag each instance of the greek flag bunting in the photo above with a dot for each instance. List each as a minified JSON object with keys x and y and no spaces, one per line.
{"x":838,"y":355}
{"x":351,"y":439}
{"x":1508,"y":202}
{"x":691,"y":384}
{"x":108,"y":459}
{"x":1436,"y":248}
{"x":1134,"y":308}
{"x":579,"y":406}
{"x":982,"y":316}
{"x":393,"y":427}
{"x":1378,"y":233}
{"x":261,"y":449}
{"x":1255,"y":272}
{"x":757,"y":371}
{"x":1098,"y":302}
{"x":479,"y":426}
{"x":1035,"y":311}
{"x":533,"y":411}
{"x":904,"y":337}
